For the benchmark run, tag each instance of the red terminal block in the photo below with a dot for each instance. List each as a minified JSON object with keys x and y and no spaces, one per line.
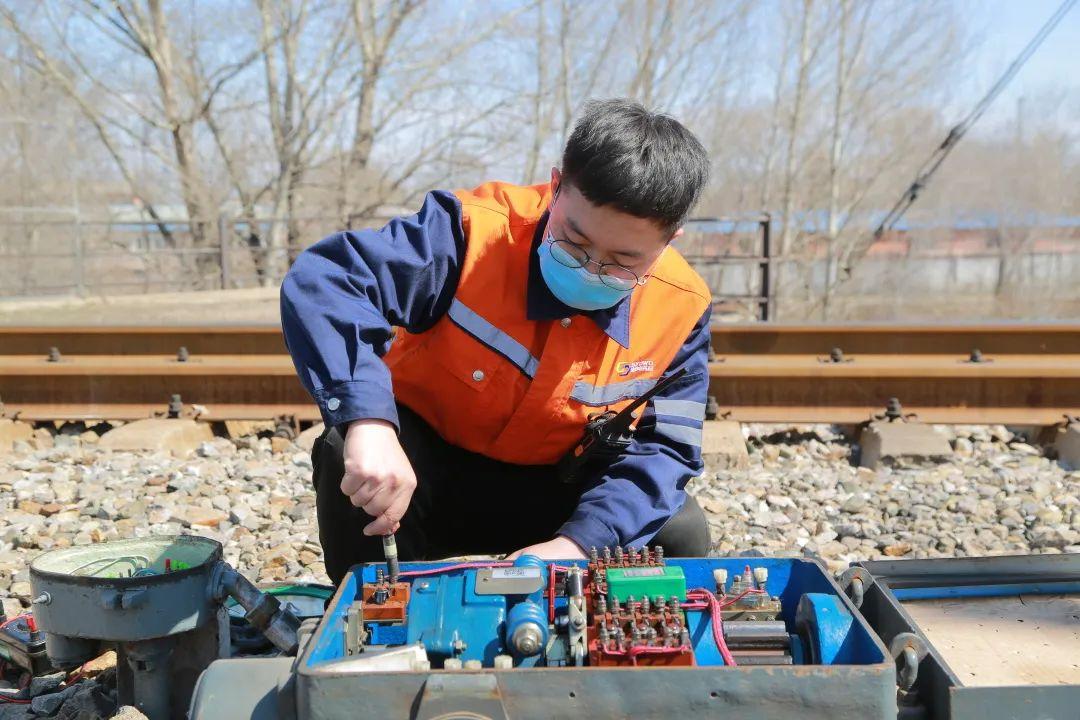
{"x":393,"y":601}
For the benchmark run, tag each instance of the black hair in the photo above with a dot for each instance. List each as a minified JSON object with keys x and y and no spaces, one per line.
{"x":642,"y":163}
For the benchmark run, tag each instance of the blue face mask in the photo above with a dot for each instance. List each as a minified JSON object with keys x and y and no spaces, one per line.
{"x":576,"y":287}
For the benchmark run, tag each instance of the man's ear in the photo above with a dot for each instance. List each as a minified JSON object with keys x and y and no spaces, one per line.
{"x":556,"y":180}
{"x":678,"y":233}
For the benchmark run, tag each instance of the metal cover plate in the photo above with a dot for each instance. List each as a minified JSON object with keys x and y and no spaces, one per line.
{"x":508,"y":581}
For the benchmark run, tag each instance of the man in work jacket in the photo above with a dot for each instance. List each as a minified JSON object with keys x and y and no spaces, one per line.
{"x":521,"y":312}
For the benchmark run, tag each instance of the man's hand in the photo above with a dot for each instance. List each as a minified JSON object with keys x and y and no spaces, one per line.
{"x":561,"y":548}
{"x":378,"y":476}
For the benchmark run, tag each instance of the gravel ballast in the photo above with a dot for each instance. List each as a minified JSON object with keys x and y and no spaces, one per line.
{"x":801,"y":495}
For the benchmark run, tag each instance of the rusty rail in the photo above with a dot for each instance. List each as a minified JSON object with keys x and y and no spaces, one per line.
{"x":1027,"y":374}
{"x":733,"y":338}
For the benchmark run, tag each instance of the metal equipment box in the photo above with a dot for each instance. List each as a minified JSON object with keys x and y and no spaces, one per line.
{"x":854,"y":648}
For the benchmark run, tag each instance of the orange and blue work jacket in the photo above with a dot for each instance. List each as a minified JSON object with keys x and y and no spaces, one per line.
{"x":493,"y":361}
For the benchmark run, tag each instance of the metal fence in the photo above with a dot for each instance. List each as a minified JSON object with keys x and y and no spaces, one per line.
{"x":92,"y":257}
{"x":66,"y":255}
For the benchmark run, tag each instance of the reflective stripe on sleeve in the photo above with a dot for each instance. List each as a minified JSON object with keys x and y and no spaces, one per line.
{"x":688,"y":409}
{"x":680,"y":433}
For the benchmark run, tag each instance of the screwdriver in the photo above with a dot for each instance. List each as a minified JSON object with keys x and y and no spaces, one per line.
{"x":389,"y":546}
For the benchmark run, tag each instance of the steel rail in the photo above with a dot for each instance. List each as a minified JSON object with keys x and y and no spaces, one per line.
{"x":1030,"y":374}
{"x":727,"y":339}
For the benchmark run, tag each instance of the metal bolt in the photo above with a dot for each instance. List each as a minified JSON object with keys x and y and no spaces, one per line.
{"x":592,"y":554}
{"x":284,"y":427}
{"x":607,"y":554}
{"x":618,"y":554}
{"x":836,"y":355}
{"x":658,"y":551}
{"x":976,"y":356}
{"x":176,"y":405}
{"x":712,"y":408}
{"x":893,"y":409}
{"x":478,"y":375}
{"x":526,"y":639}
{"x":182,"y":355}
{"x":645,"y":604}
{"x":54,"y":354}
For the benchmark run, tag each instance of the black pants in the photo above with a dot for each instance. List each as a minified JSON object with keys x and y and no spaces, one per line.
{"x":464,"y":504}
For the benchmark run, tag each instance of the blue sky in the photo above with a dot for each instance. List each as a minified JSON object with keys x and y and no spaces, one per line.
{"x":1001,"y":29}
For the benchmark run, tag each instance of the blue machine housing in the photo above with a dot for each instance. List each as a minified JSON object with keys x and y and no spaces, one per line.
{"x":451,"y":619}
{"x":529,"y":609}
{"x":445,"y":612}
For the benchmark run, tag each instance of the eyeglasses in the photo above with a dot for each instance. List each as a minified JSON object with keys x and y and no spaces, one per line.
{"x":611,"y":274}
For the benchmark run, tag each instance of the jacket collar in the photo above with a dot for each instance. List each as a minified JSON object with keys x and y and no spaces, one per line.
{"x":541,"y":304}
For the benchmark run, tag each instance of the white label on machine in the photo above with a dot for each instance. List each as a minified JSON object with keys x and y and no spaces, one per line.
{"x":643,"y":572}
{"x":514,"y":572}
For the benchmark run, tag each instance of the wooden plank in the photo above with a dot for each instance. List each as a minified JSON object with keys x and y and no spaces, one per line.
{"x":1013,"y":640}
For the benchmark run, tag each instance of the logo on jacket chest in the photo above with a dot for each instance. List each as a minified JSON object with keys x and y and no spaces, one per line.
{"x":637,"y":366}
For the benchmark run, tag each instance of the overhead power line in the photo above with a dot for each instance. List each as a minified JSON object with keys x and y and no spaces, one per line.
{"x":957,"y":132}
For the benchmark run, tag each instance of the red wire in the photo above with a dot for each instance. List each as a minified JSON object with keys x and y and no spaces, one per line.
{"x":458,"y":566}
{"x":740,"y":596}
{"x":15,"y":619}
{"x":466,"y":566}
{"x":551,"y":593}
{"x":645,"y":650}
{"x":717,"y":622}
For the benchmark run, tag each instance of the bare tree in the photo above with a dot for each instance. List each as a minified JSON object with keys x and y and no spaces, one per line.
{"x":297,"y":115}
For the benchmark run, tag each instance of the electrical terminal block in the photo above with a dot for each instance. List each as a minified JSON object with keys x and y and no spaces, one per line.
{"x":636,"y":612}
{"x":747,"y":598}
{"x":384,"y":601}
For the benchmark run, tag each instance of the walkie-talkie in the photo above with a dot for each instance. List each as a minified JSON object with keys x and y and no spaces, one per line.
{"x":607,"y":435}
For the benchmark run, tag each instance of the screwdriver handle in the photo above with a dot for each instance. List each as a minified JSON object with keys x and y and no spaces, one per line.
{"x":389,"y":546}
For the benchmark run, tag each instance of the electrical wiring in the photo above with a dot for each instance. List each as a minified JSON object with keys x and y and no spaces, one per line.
{"x":717,"y":620}
{"x":451,"y":568}
{"x":634,"y":652}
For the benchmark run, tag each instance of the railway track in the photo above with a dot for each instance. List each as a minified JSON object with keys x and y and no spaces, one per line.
{"x":1005,"y":373}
